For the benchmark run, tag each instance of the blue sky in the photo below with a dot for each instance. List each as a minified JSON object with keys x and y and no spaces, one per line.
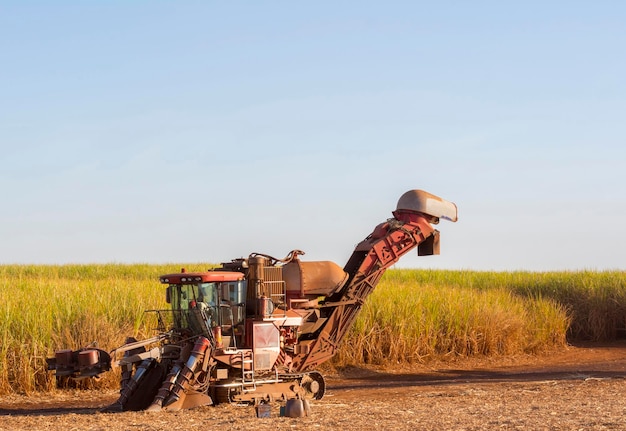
{"x":154,"y":131}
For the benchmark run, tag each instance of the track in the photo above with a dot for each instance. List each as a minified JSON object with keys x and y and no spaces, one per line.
{"x":581,"y":388}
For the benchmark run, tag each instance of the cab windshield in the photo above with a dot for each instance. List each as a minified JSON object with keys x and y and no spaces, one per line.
{"x":202,"y":306}
{"x":194,"y":306}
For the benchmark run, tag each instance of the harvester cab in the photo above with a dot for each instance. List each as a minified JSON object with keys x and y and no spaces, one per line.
{"x":255,"y":329}
{"x":210,"y":304}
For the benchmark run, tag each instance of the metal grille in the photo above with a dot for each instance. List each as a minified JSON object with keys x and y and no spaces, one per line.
{"x":273,"y":285}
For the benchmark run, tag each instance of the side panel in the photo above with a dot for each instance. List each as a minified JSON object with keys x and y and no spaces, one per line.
{"x":265,"y":345}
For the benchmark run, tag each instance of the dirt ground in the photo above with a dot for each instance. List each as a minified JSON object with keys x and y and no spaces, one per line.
{"x":581,"y":388}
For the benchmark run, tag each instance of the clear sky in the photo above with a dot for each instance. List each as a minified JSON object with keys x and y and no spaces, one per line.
{"x":201,"y":131}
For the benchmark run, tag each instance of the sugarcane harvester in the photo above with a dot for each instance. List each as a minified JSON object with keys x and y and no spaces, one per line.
{"x":255,"y":329}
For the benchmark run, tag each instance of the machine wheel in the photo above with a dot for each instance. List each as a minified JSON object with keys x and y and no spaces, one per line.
{"x":314,"y":385}
{"x":220,"y":395}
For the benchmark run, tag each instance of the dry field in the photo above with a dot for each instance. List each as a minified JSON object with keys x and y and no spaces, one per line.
{"x":581,"y":388}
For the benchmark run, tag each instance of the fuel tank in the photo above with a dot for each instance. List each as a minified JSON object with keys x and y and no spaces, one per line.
{"x":313,"y":279}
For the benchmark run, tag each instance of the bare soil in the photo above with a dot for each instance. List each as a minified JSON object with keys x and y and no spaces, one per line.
{"x":580,"y":388}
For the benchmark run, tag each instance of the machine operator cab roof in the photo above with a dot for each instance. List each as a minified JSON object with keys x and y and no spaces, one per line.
{"x":200,"y":277}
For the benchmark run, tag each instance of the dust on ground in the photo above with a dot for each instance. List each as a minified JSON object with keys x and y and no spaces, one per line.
{"x":580,"y":388}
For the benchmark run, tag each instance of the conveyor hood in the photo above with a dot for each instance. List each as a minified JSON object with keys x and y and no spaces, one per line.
{"x":423,"y":202}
